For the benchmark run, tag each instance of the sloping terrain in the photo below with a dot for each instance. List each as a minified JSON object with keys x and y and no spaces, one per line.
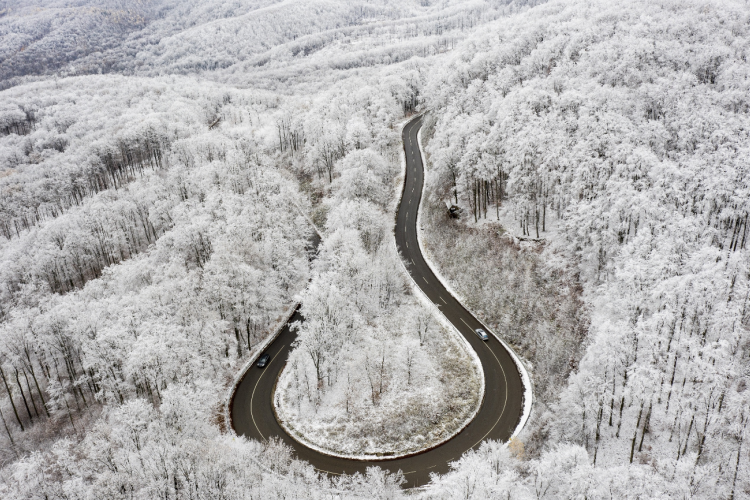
{"x":616,"y":136}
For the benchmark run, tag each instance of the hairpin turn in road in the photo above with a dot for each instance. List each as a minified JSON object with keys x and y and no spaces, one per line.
{"x":251,"y":409}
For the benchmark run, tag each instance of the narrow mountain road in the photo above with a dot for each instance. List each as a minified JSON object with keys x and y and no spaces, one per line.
{"x":251,"y":412}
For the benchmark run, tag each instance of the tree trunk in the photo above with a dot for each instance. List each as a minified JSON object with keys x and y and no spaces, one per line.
{"x":687,"y":438}
{"x":736,"y":465}
{"x":598,"y":426}
{"x":612,"y":400}
{"x":13,"y":444}
{"x":635,"y":433}
{"x":23,"y":396}
{"x":497,"y":202}
{"x":10,"y":396}
{"x":645,"y":427}
{"x":31,"y":394}
{"x":62,"y":393}
{"x":382,"y":367}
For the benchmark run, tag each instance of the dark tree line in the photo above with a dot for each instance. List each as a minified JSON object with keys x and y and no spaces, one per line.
{"x":291,"y":135}
{"x":100,"y":243}
{"x":41,"y":382}
{"x":115,"y":165}
{"x":22,"y":122}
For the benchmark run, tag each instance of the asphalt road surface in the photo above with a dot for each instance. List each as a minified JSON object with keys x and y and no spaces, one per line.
{"x":253,"y":416}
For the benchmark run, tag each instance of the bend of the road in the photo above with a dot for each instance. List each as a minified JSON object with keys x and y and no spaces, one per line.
{"x":251,"y":409}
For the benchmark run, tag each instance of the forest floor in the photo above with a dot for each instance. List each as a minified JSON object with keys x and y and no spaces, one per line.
{"x":403,"y":421}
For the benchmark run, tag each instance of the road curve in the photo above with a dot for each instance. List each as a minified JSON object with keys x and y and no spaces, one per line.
{"x":251,"y":412}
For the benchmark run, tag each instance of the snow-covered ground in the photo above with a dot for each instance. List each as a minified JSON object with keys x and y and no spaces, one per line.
{"x":143,"y":254}
{"x":417,"y":407}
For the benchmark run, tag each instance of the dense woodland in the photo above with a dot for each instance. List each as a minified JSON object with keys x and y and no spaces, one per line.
{"x":625,"y":127}
{"x":155,"y":222}
{"x":161,"y":281}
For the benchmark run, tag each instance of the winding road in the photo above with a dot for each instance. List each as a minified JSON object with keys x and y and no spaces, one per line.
{"x":251,"y":412}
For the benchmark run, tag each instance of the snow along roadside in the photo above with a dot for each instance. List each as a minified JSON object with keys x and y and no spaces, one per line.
{"x":252,"y":359}
{"x":528,"y":388}
{"x":399,"y":192}
{"x":431,"y":305}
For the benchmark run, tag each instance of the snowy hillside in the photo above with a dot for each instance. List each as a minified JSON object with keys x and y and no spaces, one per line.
{"x":164,"y":165}
{"x":239,"y":40}
{"x":626,"y":128}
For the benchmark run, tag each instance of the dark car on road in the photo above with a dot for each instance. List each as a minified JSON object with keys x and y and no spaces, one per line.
{"x":263,"y":361}
{"x":482,"y":334}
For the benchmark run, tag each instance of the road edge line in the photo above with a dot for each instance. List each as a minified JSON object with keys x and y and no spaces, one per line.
{"x":249,"y":363}
{"x":528,"y":394}
{"x":441,"y":317}
{"x":423,"y":297}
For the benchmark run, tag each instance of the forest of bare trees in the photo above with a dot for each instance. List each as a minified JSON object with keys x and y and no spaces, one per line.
{"x":620,"y":147}
{"x":160,"y":162}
